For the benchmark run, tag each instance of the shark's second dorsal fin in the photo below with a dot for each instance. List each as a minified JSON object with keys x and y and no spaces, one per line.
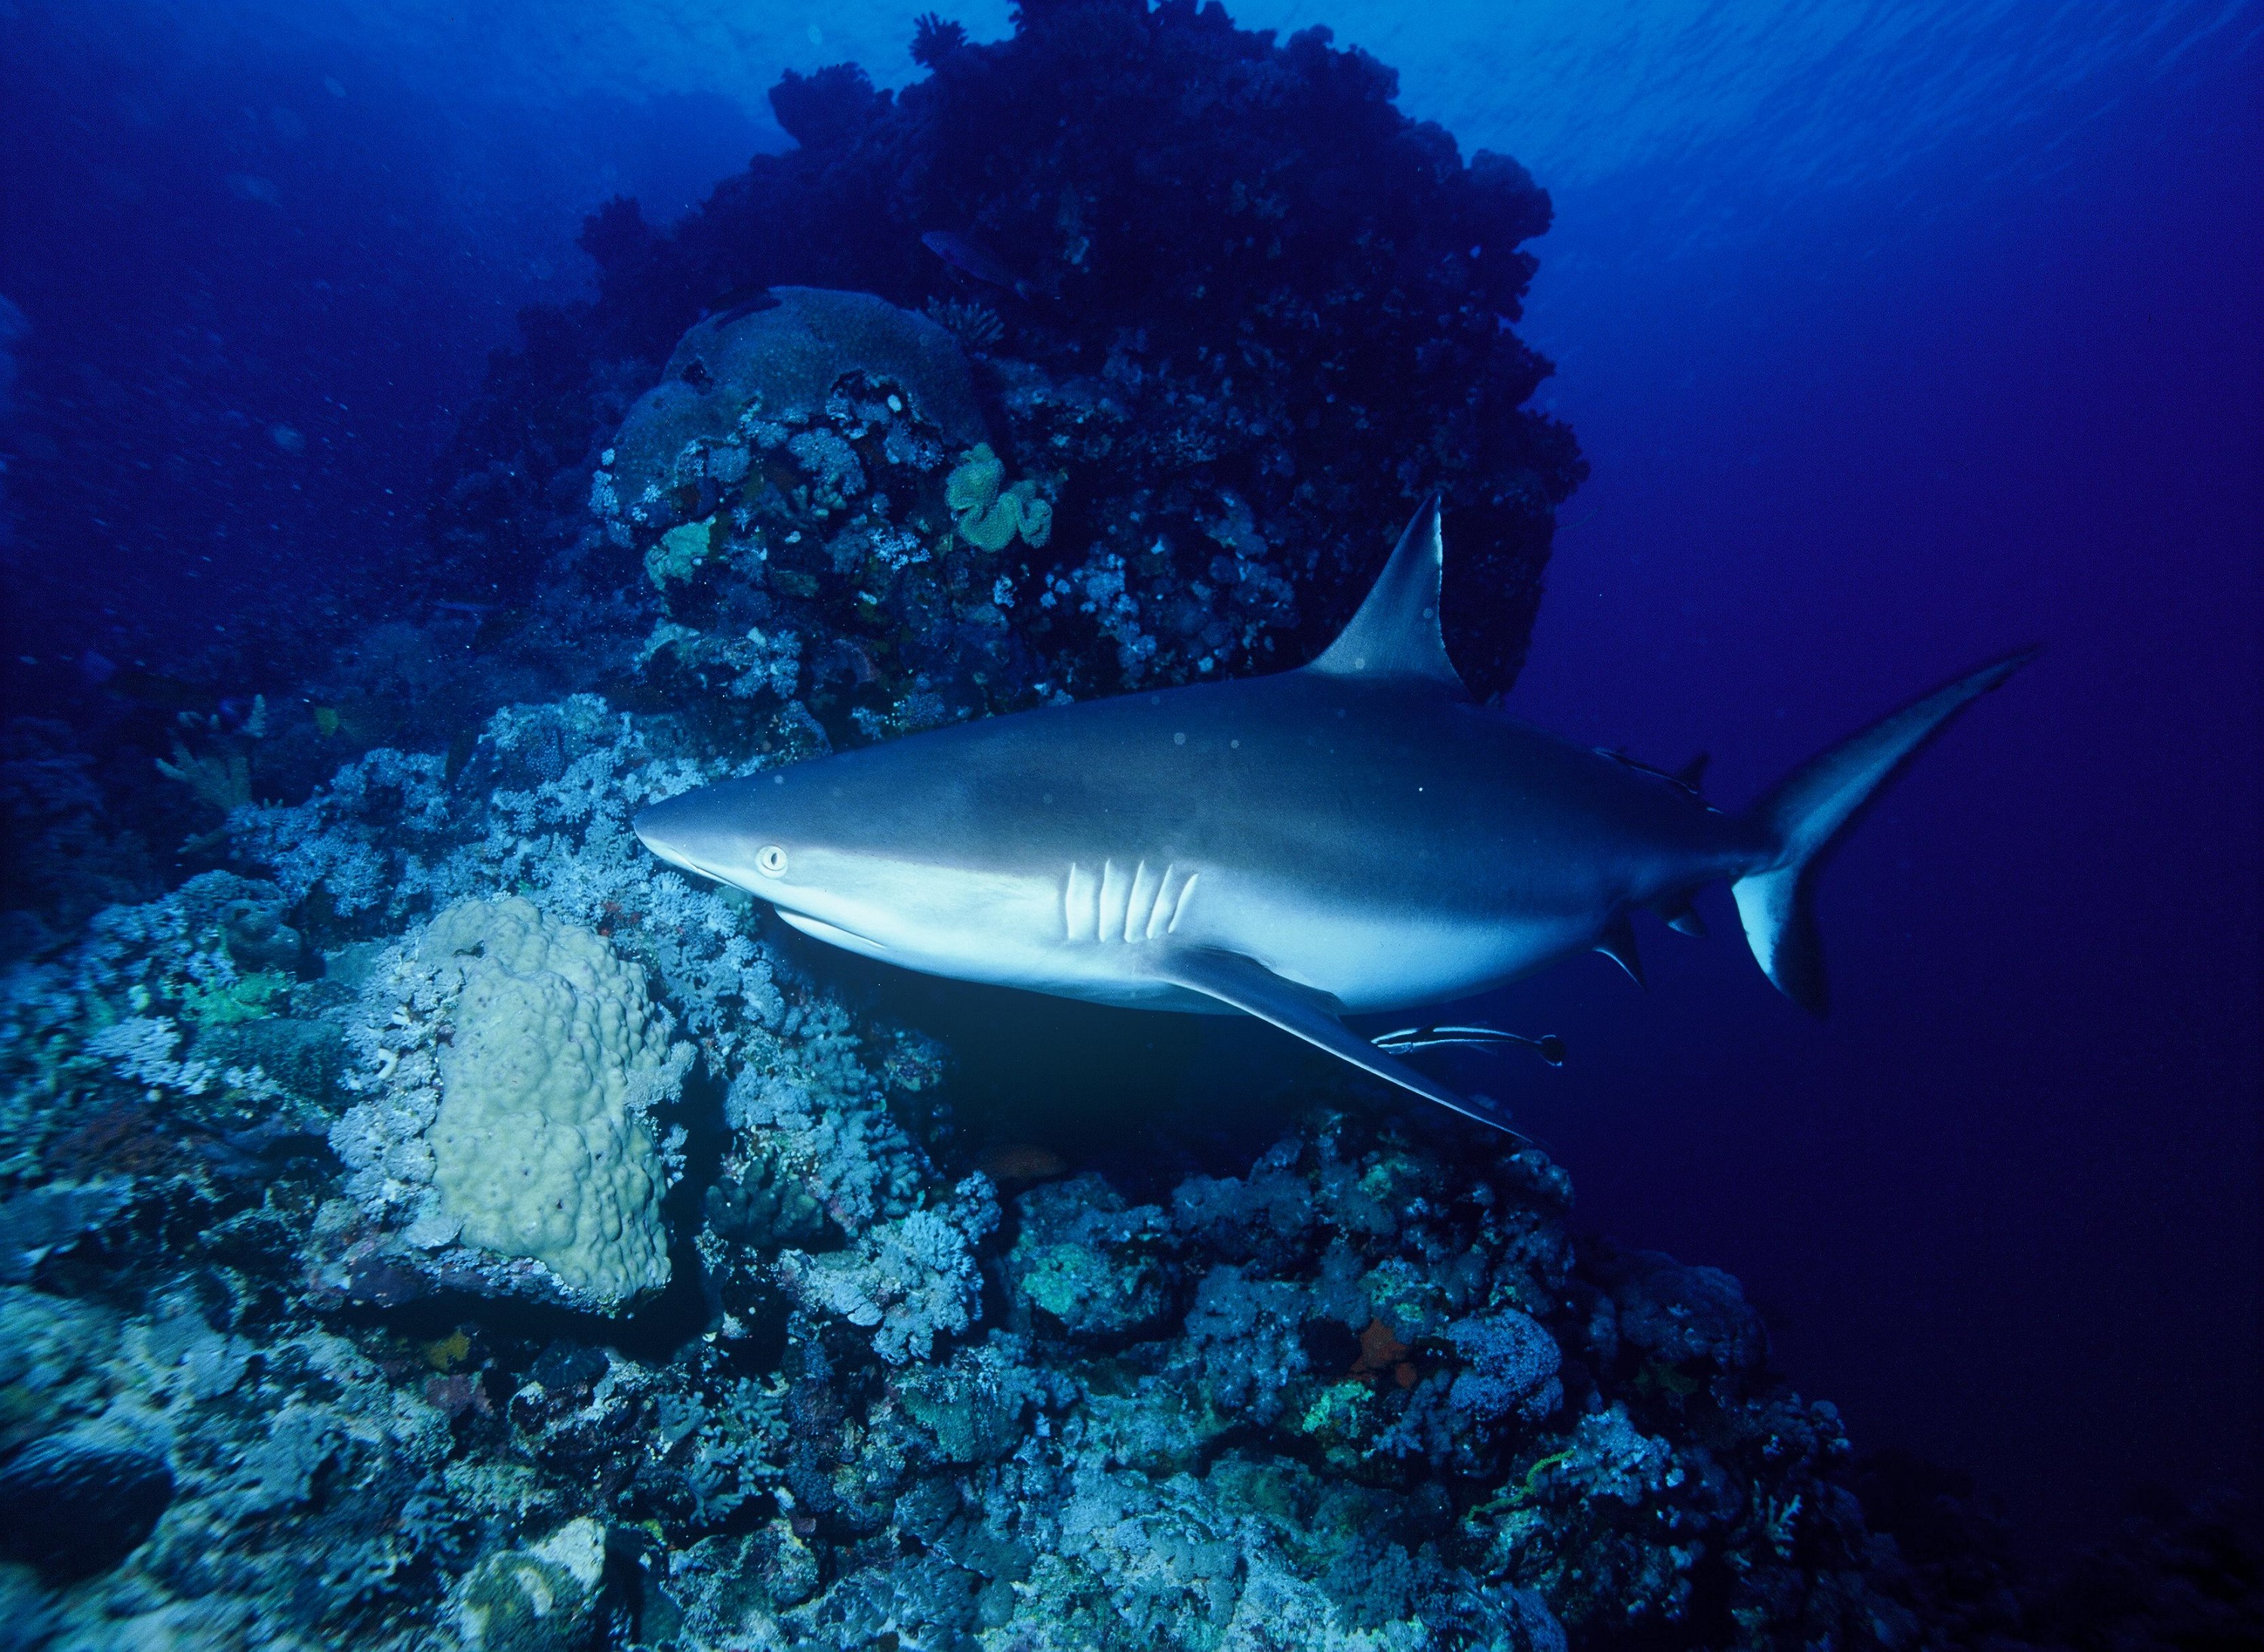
{"x":1396,"y":633}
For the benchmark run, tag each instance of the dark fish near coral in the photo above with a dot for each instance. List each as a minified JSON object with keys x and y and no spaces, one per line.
{"x":972,"y":257}
{"x":489,"y":622}
{"x":1354,"y":836}
{"x":754,"y":303}
{"x":1020,"y":1164}
{"x":460,"y":747}
{"x":156,"y":692}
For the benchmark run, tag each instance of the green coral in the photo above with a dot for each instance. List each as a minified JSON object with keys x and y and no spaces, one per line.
{"x":679,"y":552}
{"x":226,"y":1003}
{"x":1096,"y":1268}
{"x":1088,"y":1290}
{"x":989,"y":519}
{"x":1338,"y":1419}
{"x":542,"y":1599}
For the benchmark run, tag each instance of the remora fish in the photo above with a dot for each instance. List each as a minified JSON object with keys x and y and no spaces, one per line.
{"x":1354,"y":835}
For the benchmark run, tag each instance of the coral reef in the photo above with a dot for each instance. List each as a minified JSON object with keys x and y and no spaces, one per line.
{"x":1366,"y":1392}
{"x":65,"y":858}
{"x":781,"y":1366}
{"x":431,"y":1223}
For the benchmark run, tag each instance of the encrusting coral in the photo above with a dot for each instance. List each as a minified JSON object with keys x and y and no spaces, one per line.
{"x":776,"y":360}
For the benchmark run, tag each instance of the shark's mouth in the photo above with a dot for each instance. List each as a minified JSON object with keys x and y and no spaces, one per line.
{"x":818,"y":929}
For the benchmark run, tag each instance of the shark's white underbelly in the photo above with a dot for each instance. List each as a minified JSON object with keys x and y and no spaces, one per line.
{"x":1372,"y":957}
{"x":1097,"y":931}
{"x":1098,"y":928}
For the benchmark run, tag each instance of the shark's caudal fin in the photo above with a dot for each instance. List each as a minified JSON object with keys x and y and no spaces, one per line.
{"x":1812,"y":809}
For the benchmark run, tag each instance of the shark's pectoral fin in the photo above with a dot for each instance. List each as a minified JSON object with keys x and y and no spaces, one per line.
{"x":1252,"y":987}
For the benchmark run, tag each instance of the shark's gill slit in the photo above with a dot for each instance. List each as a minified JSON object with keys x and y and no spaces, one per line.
{"x":1115,"y":896}
{"x":1080,"y":904}
{"x":1147,"y":890}
{"x":1167,"y":902}
{"x":1179,"y":906}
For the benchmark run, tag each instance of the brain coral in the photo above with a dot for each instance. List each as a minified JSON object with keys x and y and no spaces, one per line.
{"x":541,"y":1148}
{"x":785,"y":360}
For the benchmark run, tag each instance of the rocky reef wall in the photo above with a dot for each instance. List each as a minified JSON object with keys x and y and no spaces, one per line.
{"x":1237,"y":310}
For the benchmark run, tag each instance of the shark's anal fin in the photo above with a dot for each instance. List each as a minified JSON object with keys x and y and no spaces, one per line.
{"x":1252,"y":987}
{"x":1680,"y":914}
{"x":1617,"y":943}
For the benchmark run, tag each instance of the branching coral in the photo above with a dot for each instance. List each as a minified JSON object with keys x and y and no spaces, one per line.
{"x":222,"y":780}
{"x":909,"y":1280}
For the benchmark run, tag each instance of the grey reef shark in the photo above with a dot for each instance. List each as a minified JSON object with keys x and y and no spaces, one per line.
{"x":1353,"y":836}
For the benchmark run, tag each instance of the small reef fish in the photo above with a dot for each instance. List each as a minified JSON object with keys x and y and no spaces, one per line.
{"x":1354,"y":836}
{"x":972,"y":257}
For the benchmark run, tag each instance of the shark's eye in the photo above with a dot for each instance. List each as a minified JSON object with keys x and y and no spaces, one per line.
{"x":770,"y":860}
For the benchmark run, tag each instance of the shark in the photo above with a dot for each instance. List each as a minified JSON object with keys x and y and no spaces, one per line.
{"x":1356,"y":835}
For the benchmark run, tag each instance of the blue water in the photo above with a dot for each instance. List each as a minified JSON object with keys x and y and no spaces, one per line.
{"x":1893,"y":337}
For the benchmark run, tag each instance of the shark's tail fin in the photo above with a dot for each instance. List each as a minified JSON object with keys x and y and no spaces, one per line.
{"x":1810,"y":811}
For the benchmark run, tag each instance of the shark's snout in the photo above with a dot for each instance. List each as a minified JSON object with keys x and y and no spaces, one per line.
{"x":651,"y":824}
{"x":684,"y":834}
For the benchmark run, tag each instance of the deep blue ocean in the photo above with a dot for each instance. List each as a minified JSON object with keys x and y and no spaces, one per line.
{"x":1858,"y":346}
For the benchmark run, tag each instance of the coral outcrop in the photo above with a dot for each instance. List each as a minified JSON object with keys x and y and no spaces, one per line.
{"x":774,"y":359}
{"x":520,"y":1067}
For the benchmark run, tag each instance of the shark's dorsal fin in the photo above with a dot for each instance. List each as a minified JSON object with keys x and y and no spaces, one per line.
{"x":1395,"y":633}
